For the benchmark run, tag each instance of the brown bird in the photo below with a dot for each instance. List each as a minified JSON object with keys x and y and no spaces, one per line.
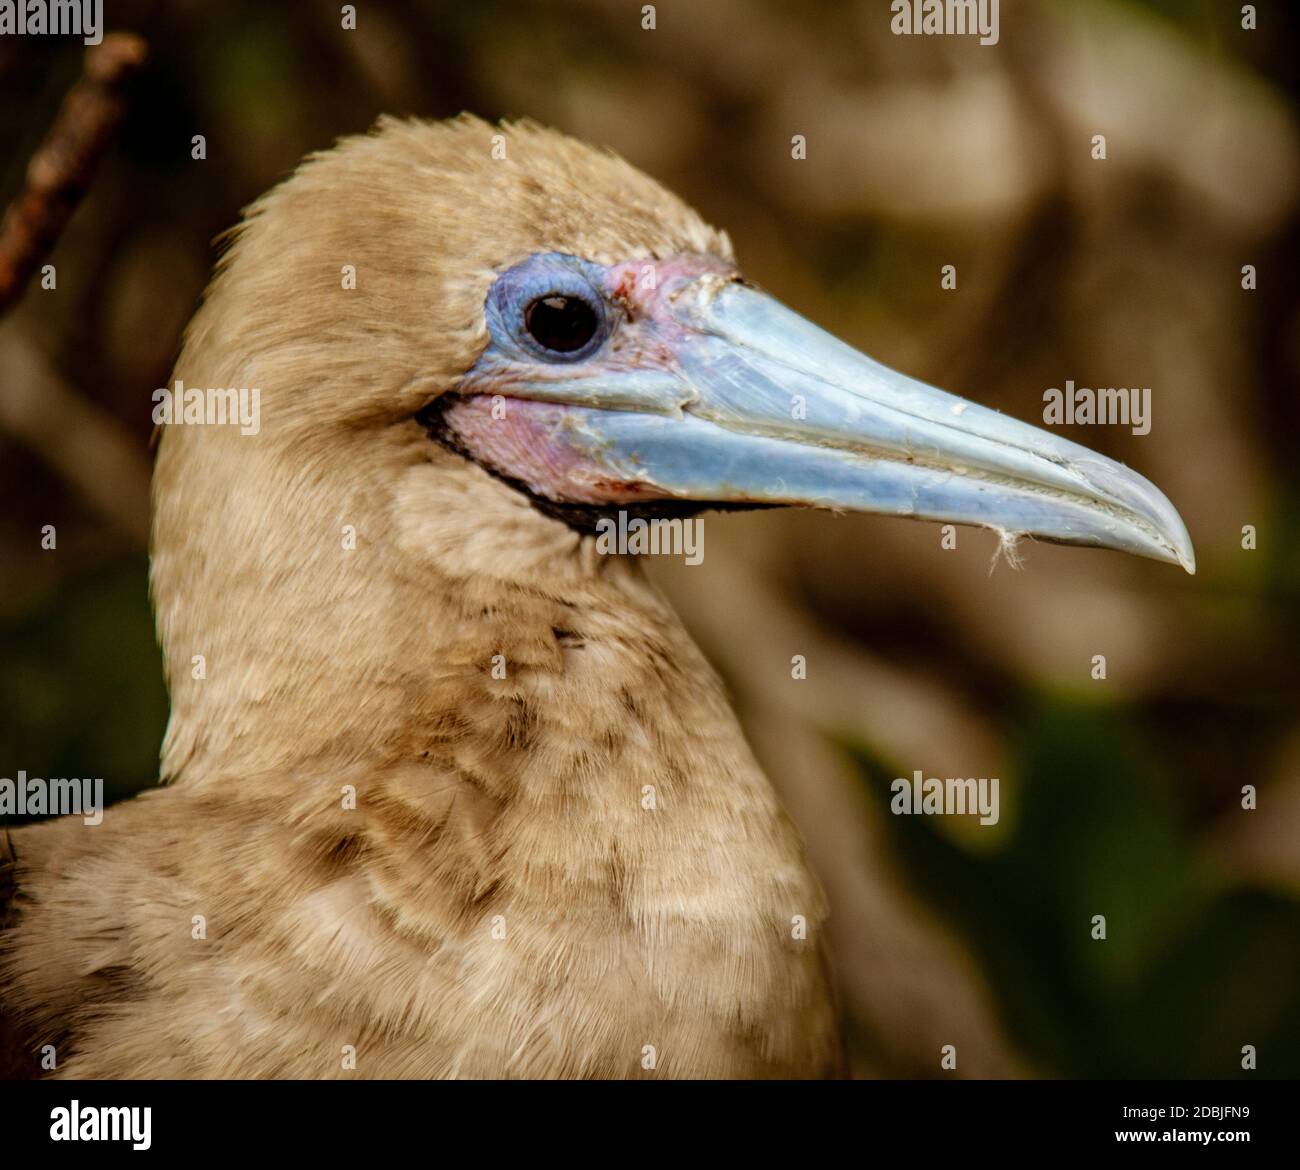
{"x":449,"y":791}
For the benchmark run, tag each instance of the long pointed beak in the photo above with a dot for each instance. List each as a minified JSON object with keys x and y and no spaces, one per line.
{"x":765,"y":407}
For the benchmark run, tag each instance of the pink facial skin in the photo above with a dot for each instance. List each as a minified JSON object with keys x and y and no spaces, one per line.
{"x":532,"y":441}
{"x":529,"y":441}
{"x":642,"y":287}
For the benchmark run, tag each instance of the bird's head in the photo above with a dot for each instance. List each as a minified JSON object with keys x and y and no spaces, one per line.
{"x":472,"y":340}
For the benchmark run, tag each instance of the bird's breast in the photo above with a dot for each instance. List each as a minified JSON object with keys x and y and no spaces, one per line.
{"x":625,"y":893}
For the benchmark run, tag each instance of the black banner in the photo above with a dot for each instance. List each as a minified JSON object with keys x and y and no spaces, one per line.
{"x":918,"y":1117}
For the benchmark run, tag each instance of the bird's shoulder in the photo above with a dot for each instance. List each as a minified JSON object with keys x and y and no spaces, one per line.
{"x":13,"y":1063}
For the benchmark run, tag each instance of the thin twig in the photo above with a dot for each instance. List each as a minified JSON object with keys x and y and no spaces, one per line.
{"x":61,"y":170}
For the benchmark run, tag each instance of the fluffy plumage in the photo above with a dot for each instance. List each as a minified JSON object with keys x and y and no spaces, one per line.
{"x":501,"y":901}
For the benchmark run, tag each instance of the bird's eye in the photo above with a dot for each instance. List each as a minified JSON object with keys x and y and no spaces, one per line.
{"x":560,"y":322}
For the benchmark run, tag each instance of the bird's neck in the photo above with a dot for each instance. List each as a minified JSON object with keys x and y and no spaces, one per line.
{"x":568,"y":724}
{"x":511,"y":749}
{"x":380,"y":624}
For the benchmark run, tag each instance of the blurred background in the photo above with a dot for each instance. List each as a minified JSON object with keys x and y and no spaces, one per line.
{"x":1120,"y":797}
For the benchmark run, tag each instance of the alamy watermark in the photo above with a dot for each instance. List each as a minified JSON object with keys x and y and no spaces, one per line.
{"x":76,"y":1122}
{"x":952,"y":796}
{"x":30,"y":796}
{"x":952,"y":18}
{"x":1115,"y":405}
{"x":683,"y":537}
{"x":214,"y":406}
{"x":53,"y":18}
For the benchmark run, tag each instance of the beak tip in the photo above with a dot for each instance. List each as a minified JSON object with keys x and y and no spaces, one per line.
{"x":1181,"y":541}
{"x":1180,"y":550}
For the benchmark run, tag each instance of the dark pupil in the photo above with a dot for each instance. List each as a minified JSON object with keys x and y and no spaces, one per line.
{"x":560,"y":323}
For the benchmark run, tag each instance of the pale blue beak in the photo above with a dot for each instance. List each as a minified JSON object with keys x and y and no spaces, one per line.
{"x":755,"y":404}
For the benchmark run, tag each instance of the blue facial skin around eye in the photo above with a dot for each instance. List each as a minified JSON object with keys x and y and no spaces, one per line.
{"x":547,"y":274}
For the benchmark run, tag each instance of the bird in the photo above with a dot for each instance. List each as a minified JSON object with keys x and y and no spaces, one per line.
{"x":445,"y":791}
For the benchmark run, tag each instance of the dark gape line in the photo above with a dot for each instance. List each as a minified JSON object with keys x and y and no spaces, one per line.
{"x":582,"y":518}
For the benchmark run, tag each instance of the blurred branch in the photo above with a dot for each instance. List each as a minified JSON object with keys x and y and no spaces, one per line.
{"x":61,"y":170}
{"x":82,"y":441}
